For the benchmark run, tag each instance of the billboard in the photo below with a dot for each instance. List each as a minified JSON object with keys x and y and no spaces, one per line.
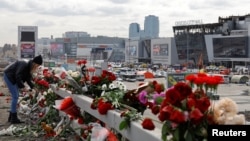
{"x":27,"y":42}
{"x":160,"y":50}
{"x":56,"y":50}
{"x":231,"y":47}
{"x":27,"y":50}
{"x":131,"y":50}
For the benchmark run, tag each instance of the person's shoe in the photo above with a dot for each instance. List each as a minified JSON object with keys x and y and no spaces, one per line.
{"x":14,"y":119}
{"x":9,"y":118}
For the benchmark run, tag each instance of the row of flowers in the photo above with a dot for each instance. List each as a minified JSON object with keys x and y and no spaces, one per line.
{"x":185,"y":110}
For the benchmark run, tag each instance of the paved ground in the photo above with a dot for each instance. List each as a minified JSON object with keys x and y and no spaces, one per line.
{"x":238,"y":92}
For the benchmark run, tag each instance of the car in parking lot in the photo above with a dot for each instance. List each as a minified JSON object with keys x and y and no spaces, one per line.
{"x":248,"y":83}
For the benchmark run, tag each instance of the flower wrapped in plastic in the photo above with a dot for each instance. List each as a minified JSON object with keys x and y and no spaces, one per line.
{"x":68,"y":106}
{"x":67,"y":81}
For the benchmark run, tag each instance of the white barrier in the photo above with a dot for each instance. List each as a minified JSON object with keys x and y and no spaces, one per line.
{"x":134,"y":133}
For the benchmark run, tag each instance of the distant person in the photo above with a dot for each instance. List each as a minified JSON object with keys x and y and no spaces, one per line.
{"x":15,"y":75}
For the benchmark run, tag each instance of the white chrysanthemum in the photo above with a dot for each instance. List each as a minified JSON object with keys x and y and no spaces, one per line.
{"x":118,"y":83}
{"x":122,"y":87}
{"x":104,"y":87}
{"x":112,"y":86}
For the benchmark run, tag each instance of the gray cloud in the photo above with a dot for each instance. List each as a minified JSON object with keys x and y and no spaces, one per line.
{"x":5,"y":5}
{"x":109,"y":11}
{"x":210,"y":4}
{"x":120,"y":1}
{"x":44,"y":23}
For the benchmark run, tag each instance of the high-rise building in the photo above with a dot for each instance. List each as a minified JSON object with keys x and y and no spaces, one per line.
{"x":134,"y":30}
{"x":151,"y":26}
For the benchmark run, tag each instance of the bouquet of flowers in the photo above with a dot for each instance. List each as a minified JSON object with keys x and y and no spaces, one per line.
{"x":185,"y":113}
{"x":96,"y":84}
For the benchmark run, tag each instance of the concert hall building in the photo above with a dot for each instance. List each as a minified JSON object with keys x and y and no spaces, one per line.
{"x":223,"y":43}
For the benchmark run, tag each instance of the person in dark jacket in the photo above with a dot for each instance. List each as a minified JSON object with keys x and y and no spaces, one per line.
{"x":15,"y":76}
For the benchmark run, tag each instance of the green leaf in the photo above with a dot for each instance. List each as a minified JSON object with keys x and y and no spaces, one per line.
{"x":188,"y":136}
{"x":177,"y":135}
{"x":123,"y":125}
{"x":159,"y":100}
{"x":164,"y":131}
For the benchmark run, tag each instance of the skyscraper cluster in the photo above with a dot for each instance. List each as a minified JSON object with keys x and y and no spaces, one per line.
{"x":151,"y":28}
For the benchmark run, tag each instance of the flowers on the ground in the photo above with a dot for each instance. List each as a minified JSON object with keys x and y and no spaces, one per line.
{"x":14,"y":130}
{"x":184,"y":109}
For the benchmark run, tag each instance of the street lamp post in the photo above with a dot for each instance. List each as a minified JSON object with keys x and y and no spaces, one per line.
{"x":129,"y":49}
{"x":187,"y":49}
{"x":66,"y":58}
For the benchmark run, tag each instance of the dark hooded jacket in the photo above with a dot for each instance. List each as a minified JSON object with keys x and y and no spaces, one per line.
{"x":19,"y":72}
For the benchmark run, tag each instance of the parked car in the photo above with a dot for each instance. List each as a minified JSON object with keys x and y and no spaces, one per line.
{"x":248,"y":83}
{"x":140,"y":77}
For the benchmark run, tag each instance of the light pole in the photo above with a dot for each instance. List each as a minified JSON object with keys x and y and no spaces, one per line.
{"x":66,"y":58}
{"x":187,"y":49}
{"x":129,"y":49}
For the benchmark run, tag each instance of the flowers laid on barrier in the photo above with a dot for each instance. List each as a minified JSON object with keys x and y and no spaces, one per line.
{"x":184,"y":110}
{"x":68,"y":106}
{"x":185,"y":114}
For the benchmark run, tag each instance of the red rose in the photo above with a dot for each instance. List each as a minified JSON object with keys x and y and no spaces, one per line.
{"x":80,"y":120}
{"x":190,"y":103}
{"x":177,"y":116}
{"x":155,"y":109}
{"x":172,"y":96}
{"x":104,"y":107}
{"x":195,"y":115}
{"x":203,"y":104}
{"x":148,"y":124}
{"x":184,"y":89}
{"x":165,"y":112}
{"x":93,"y":106}
{"x":95,"y":80}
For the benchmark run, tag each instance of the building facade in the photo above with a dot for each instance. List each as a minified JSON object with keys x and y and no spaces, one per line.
{"x":152,"y":51}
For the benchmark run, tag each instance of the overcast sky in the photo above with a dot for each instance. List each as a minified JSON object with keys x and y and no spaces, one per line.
{"x":108,"y":17}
